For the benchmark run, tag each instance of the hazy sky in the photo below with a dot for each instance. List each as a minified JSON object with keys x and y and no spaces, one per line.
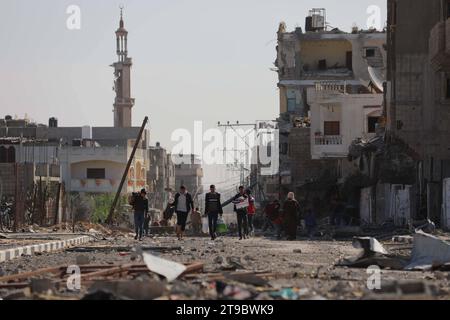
{"x":193,"y":59}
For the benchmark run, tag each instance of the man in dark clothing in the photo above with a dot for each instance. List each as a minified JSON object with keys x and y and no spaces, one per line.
{"x":183,"y":205}
{"x":213,"y":207}
{"x":241,"y":212}
{"x":140,"y":207}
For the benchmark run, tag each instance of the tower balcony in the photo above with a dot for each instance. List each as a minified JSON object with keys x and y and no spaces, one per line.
{"x":124,"y":101}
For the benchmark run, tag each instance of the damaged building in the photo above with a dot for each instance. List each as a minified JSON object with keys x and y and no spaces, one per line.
{"x":160,"y":177}
{"x":418,"y":96}
{"x":331,"y":93}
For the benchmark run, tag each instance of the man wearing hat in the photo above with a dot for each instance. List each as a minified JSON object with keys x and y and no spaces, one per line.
{"x":213,"y":207}
{"x":140,"y":206}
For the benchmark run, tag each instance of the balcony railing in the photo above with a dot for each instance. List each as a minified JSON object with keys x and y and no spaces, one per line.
{"x":331,"y":87}
{"x":328,"y":140}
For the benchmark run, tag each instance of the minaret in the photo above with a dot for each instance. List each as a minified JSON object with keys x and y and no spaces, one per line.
{"x":122,"y":73}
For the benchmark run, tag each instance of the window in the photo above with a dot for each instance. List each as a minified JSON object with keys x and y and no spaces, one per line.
{"x":96,"y":173}
{"x":447,"y":88}
{"x":291,"y":104}
{"x":323,"y":64}
{"x":284,"y":148}
{"x":7,"y":154}
{"x":370,"y":53}
{"x":372,"y":124}
{"x":332,"y":128}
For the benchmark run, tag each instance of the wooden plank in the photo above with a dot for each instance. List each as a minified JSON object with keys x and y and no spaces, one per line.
{"x":30,"y":274}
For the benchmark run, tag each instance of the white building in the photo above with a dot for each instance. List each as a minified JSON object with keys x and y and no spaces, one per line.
{"x":338,"y":118}
{"x":93,"y":169}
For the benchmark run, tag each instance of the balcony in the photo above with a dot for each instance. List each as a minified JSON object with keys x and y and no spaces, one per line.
{"x":324,"y":147}
{"x":328,"y":140}
{"x":439,"y":46}
{"x":94,"y":185}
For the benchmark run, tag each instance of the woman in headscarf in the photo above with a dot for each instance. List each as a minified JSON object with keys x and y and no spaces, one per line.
{"x":290,"y":212}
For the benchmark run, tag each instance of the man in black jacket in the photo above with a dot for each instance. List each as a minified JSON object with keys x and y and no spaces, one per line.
{"x":241,"y":211}
{"x":140,"y":206}
{"x":183,"y":205}
{"x":213,"y":207}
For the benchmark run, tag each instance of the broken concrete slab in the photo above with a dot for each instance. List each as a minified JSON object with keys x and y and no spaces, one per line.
{"x":370,"y":246}
{"x":373,"y":253}
{"x":166,"y":268}
{"x":428,"y":250}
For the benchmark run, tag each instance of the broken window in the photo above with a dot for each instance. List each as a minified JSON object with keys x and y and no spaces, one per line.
{"x":370,"y":53}
{"x":332,"y":128}
{"x":372,"y":124}
{"x":96,"y":173}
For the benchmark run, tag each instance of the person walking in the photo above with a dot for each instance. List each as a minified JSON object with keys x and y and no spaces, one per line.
{"x":240,"y":202}
{"x":139,"y":202}
{"x":183,"y":205}
{"x":290,"y":211}
{"x":251,"y":211}
{"x":213,"y":208}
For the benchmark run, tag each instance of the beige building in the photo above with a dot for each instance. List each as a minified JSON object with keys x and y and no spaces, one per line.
{"x":91,"y":168}
{"x":330,"y":87}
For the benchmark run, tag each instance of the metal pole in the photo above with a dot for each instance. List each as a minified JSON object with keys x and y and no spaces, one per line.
{"x":125,"y":173}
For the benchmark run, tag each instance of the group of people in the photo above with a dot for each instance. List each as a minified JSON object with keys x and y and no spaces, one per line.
{"x":287,"y":218}
{"x":281,"y":219}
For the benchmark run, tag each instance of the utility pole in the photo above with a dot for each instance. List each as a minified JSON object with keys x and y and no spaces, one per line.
{"x":125,"y":173}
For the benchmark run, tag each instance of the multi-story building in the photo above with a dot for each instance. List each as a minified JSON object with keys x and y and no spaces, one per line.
{"x":330,"y":85}
{"x":418,"y":92}
{"x":189,"y":172}
{"x":161,"y":177}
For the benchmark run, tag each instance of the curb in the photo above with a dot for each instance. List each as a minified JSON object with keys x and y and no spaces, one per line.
{"x":10,"y":254}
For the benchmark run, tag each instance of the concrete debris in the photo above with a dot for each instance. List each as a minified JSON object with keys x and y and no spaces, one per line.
{"x":373,"y":253}
{"x":428,"y":252}
{"x":427,"y":227}
{"x":82,"y":260}
{"x":396,"y":289}
{"x":370,"y":246}
{"x":126,"y":290}
{"x":42,"y":286}
{"x":169,"y":269}
{"x":227,"y":292}
{"x":403,"y":239}
{"x":247,"y":278}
